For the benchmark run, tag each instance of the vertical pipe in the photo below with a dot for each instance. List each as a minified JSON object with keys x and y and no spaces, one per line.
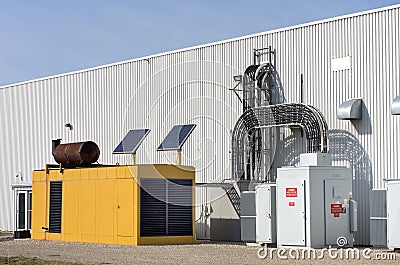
{"x":133,"y":159}
{"x":270,"y":55}
{"x":301,"y":89}
{"x":179,"y":162}
{"x":54,"y":144}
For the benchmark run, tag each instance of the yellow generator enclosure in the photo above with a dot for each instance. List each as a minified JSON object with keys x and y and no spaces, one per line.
{"x":130,"y":205}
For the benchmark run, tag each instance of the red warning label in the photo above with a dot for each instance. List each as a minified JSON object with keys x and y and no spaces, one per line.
{"x":291,"y":204}
{"x":336,"y":209}
{"x":291,"y":192}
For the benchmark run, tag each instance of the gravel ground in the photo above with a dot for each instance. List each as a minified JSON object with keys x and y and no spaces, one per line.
{"x":6,"y":238}
{"x":201,"y":253}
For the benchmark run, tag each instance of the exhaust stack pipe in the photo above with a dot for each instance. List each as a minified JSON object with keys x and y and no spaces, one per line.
{"x":54,"y":144}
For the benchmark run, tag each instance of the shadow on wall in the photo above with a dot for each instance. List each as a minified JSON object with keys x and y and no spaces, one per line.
{"x":344,"y":147}
{"x":288,"y":150}
{"x":363,"y":126}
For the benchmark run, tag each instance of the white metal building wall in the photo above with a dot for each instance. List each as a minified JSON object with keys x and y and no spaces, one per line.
{"x":191,"y":86}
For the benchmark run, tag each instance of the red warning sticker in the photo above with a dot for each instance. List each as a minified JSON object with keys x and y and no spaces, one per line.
{"x":336,"y":209}
{"x":291,"y":192}
{"x":291,"y":204}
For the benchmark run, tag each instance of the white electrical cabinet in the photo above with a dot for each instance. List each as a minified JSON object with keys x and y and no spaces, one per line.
{"x":266,"y":213}
{"x":393,"y":213}
{"x":314,"y":204}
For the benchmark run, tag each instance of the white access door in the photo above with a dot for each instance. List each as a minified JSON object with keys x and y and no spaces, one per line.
{"x":393,"y":214}
{"x":263,"y":214}
{"x":23,"y":199}
{"x":291,"y":222}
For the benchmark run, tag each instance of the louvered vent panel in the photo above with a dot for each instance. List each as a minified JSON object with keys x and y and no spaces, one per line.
{"x":153,"y":207}
{"x":166,"y":207}
{"x":55,"y":206}
{"x":180,"y":207}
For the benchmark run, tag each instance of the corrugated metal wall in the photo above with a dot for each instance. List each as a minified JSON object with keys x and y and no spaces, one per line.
{"x":192,"y":86}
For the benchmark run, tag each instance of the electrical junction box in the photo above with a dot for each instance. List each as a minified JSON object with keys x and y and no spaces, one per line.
{"x":314,"y":206}
{"x":266,"y":213}
{"x":393,"y":213}
{"x":315,"y":159}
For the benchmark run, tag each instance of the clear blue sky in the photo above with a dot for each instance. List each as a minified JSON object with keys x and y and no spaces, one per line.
{"x":46,"y":37}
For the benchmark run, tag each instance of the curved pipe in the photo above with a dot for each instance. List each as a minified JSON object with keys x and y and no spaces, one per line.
{"x":309,"y":118}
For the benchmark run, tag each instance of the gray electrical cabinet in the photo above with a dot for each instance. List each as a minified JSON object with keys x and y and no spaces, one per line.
{"x":314,"y":204}
{"x":248,"y":216}
{"x":393,"y":213}
{"x":378,"y":217}
{"x":266,"y":213}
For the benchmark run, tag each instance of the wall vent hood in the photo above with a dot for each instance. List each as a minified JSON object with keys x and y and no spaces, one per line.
{"x":395,"y":110}
{"x":351,"y":110}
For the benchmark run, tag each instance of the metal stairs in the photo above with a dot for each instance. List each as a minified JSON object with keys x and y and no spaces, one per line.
{"x":233,"y":197}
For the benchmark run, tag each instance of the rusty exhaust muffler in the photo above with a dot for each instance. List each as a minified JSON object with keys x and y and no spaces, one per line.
{"x":82,"y":153}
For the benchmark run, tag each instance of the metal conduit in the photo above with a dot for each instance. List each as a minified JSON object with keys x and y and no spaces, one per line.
{"x":258,"y":83}
{"x":309,"y":118}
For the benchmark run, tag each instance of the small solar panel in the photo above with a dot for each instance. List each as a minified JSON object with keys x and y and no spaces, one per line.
{"x":131,"y":141}
{"x":176,"y":137}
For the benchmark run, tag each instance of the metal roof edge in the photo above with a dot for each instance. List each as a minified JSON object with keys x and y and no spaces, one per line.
{"x":147,"y":57}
